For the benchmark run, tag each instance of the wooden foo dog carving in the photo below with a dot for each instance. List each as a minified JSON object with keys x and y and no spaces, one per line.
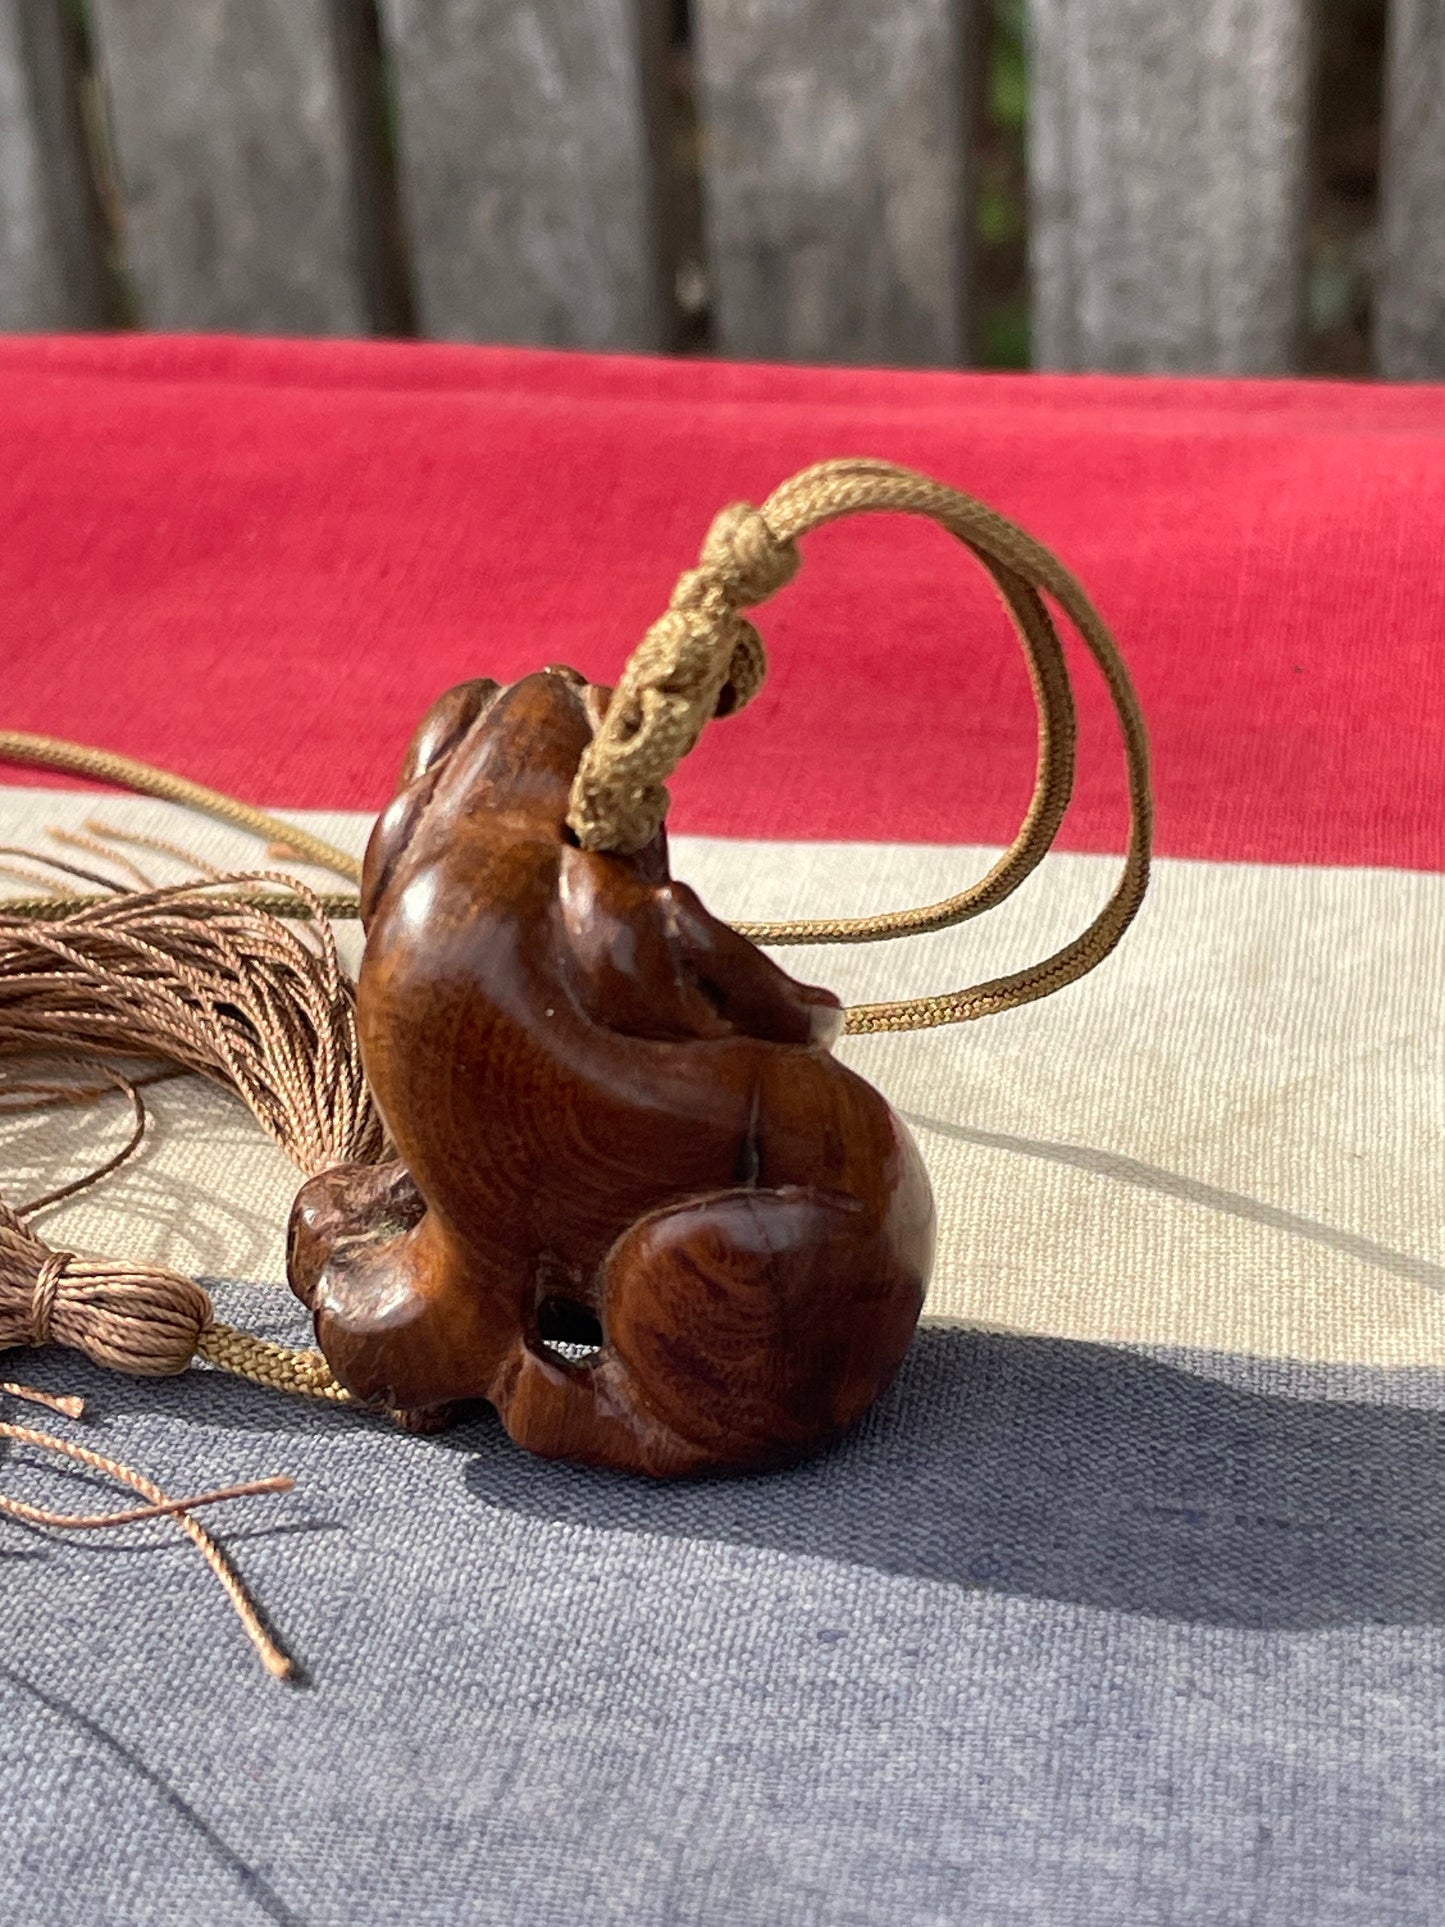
{"x":615,"y":1119}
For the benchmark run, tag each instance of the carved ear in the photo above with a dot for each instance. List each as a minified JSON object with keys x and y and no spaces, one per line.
{"x":444,"y":725}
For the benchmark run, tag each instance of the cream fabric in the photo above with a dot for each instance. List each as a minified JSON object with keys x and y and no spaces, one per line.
{"x":1231,"y":1136}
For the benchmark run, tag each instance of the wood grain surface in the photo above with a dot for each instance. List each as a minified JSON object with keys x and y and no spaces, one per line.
{"x":617,"y":1123}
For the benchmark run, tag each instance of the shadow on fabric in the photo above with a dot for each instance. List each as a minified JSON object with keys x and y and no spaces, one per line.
{"x":1075,"y":1472}
{"x":1036,"y":1467}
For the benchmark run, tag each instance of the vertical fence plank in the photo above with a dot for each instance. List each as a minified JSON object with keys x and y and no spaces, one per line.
{"x":236,"y":176}
{"x":834,"y":145}
{"x":1410,"y":315}
{"x":1168,"y":183}
{"x":530,"y":175}
{"x":51,"y":245}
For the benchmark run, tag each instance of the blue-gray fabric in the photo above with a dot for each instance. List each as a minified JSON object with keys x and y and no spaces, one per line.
{"x":1065,"y":1635}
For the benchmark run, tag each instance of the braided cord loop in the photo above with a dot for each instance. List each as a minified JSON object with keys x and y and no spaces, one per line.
{"x":704,"y":659}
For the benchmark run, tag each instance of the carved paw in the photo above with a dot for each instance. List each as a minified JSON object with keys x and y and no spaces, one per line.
{"x":349,"y":1204}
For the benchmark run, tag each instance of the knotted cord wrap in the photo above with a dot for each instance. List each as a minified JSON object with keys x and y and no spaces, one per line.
{"x":135,"y":1318}
{"x":138,"y":1319}
{"x":132,"y":1318}
{"x":703,"y":659}
{"x":698,"y":660}
{"x":42,"y":1299}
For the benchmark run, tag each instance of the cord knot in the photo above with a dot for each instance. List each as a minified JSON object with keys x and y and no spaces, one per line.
{"x":131,"y":1317}
{"x":747,"y":669}
{"x":743,"y":554}
{"x":701,"y":659}
{"x":43,"y":1297}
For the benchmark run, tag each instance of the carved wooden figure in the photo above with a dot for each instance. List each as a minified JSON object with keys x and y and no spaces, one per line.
{"x":616,"y":1122}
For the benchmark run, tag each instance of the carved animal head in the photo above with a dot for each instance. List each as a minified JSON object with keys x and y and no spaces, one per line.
{"x":490,"y":772}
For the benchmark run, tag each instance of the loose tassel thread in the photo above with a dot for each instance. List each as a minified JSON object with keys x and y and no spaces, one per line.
{"x":158,"y":1505}
{"x":143,"y":1321}
{"x":232,"y":992}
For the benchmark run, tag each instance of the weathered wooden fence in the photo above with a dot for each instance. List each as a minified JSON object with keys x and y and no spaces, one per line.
{"x":504,"y":170}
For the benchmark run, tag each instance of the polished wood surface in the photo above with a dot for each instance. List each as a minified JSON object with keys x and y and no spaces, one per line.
{"x":619,"y":1127}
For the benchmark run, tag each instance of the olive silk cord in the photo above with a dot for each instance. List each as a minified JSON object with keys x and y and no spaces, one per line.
{"x":105,"y":766}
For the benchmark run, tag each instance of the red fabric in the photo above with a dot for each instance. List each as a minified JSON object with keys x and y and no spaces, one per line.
{"x":257,"y":562}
